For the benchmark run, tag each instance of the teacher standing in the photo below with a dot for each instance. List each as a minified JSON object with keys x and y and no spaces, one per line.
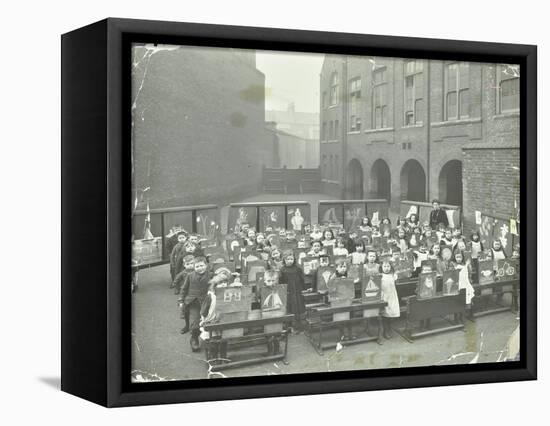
{"x":437,"y":215}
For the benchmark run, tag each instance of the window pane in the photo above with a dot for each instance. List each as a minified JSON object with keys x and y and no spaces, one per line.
{"x":464,"y":75}
{"x":464,"y":103}
{"x":384,"y":120}
{"x":409,"y":86}
{"x":357,"y":124}
{"x":378,"y":118}
{"x":451,"y":77}
{"x":409,"y":118}
{"x":419,"y":111}
{"x":510,"y":94}
{"x":451,"y":105}
{"x":419,"y":86}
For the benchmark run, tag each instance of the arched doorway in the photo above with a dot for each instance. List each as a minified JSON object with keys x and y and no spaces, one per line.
{"x":354,"y":180}
{"x":450,"y":183}
{"x":380,"y":178}
{"x":413,"y":181}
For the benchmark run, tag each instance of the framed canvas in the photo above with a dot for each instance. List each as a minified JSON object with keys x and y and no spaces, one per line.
{"x":170,"y":126}
{"x":371,"y":289}
{"x":273,"y":300}
{"x":427,"y":285}
{"x":507,"y":270}
{"x":341,"y":291}
{"x":486,"y":271}
{"x":324,"y":273}
{"x":450,"y":282}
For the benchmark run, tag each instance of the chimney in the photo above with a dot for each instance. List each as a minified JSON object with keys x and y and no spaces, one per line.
{"x":291,"y":107}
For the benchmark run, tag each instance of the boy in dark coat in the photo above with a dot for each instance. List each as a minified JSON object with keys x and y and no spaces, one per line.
{"x":193,"y":293}
{"x":182,"y":238}
{"x":188,"y":249}
{"x":189,"y":262}
{"x":293,"y":276}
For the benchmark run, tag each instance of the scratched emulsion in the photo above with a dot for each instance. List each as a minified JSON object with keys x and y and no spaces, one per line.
{"x":159,"y":352}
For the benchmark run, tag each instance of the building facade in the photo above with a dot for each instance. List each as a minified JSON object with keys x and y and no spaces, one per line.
{"x":304,"y":125}
{"x":198,"y":125}
{"x":291,"y":151}
{"x":405,"y":129}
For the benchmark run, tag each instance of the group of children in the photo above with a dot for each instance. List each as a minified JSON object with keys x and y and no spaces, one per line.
{"x":373,"y":246}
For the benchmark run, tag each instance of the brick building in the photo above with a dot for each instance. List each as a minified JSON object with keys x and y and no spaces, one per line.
{"x":199,"y":125}
{"x":304,"y":125}
{"x":378,"y":140}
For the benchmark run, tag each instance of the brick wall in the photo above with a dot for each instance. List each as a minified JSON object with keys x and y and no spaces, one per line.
{"x":398,"y":145}
{"x":491,"y":183}
{"x":199,"y":130}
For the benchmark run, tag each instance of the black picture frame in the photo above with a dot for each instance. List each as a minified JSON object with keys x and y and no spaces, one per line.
{"x":96,"y":209}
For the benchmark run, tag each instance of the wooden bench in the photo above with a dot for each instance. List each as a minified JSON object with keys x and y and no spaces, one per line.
{"x":481,"y":303}
{"x":316,"y":321}
{"x":438,"y":307}
{"x":216,"y":345}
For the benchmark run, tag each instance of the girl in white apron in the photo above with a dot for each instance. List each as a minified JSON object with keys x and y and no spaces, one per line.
{"x":389,"y":295}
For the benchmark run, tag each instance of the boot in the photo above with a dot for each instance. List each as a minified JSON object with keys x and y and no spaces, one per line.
{"x":379,"y":340}
{"x":184,"y":329}
{"x":388,"y":334}
{"x":195,"y":344}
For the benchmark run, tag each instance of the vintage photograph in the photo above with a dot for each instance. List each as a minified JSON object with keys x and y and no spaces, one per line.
{"x":305,"y":212}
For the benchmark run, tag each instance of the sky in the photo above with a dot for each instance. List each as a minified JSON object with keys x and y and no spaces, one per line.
{"x":290,"y":77}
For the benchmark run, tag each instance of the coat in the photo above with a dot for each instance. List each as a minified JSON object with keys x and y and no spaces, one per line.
{"x":437,"y":217}
{"x":293,"y":277}
{"x":195,"y":287}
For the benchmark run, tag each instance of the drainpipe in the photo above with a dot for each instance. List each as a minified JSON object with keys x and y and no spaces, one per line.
{"x":344,"y":127}
{"x":428,"y":131}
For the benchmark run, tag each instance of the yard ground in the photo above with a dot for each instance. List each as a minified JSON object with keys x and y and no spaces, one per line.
{"x":160,"y":352}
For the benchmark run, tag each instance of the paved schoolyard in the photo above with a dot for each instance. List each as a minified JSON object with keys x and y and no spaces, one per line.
{"x":160,"y":352}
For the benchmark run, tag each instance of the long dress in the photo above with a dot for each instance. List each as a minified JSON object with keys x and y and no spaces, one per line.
{"x":371,"y":268}
{"x":464,"y":282}
{"x":293,"y":277}
{"x":389,"y":295}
